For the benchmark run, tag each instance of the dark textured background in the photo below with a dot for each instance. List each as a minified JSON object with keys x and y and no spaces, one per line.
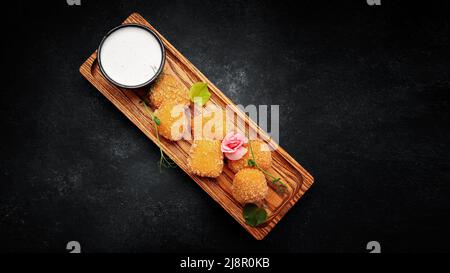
{"x":364,"y":96}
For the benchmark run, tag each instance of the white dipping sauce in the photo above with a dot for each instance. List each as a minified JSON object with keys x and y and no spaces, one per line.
{"x":131,"y":56}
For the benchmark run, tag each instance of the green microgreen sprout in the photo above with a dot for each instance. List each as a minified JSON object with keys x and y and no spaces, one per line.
{"x":276,"y":181}
{"x":163,"y":160}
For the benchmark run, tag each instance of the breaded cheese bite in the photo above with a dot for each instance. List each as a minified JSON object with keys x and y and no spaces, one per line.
{"x":168,"y":89}
{"x":262,"y":153}
{"x":205,"y":158}
{"x":211,"y":123}
{"x":174,"y":121}
{"x":249,"y":186}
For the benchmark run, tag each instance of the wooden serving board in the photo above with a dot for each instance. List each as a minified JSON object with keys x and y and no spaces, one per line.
{"x":297,"y":179}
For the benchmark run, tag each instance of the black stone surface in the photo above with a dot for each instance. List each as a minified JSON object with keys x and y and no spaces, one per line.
{"x":364,"y":98}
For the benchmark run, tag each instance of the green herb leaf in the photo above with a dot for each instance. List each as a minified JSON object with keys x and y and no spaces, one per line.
{"x":254,"y":215}
{"x":279,"y":185}
{"x":251,"y":163}
{"x":199,"y":93}
{"x":157,"y":120}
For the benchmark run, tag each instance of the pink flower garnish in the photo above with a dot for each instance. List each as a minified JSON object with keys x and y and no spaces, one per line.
{"x":233,"y":146}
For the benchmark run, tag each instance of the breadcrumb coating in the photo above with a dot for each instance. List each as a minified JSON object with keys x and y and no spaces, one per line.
{"x":263,"y":157}
{"x":211,"y":123}
{"x":174,"y":121}
{"x":168,"y":89}
{"x":205,"y":158}
{"x":249,"y":186}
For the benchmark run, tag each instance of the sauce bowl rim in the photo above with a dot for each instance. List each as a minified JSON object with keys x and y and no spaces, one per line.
{"x":158,"y":72}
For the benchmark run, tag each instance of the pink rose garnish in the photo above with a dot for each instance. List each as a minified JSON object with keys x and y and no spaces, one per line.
{"x":233,"y":146}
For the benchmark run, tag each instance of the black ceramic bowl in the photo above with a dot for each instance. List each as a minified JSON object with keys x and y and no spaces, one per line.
{"x":163,"y":54}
